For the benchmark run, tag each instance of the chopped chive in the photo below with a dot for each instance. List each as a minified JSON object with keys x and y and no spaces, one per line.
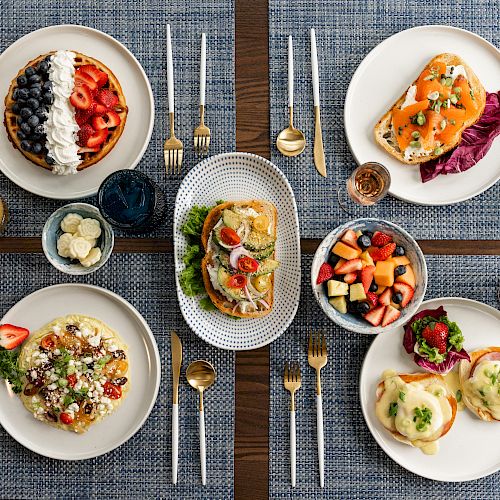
{"x":415,"y":134}
{"x":415,"y":144}
{"x":438,"y":150}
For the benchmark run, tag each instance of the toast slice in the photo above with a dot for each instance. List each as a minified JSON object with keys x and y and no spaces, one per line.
{"x":385,"y":135}
{"x":218,"y":299}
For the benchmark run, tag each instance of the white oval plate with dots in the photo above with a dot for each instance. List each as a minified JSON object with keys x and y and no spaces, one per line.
{"x":233,"y":177}
{"x":469,"y":437}
{"x":131,"y":146}
{"x":43,"y":306}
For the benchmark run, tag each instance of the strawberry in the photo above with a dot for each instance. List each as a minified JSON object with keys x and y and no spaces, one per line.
{"x":385,"y":296}
{"x":406,"y":290}
{"x":372,"y":298}
{"x":109,"y":119}
{"x":98,"y":138}
{"x":367,"y":277}
{"x":83,"y":116}
{"x":81,"y":98}
{"x":375,"y":315}
{"x":383,"y":253}
{"x":380,"y":239}
{"x":350,"y":239}
{"x":350,"y":266}
{"x":98,"y":76}
{"x":325,"y":273}
{"x":107,"y":98}
{"x":436,"y":335}
{"x":99,"y":109}
{"x":84,"y":134}
{"x":89,"y":150}
{"x":11,"y":336}
{"x":350,"y":278}
{"x":82,"y":78}
{"x":391,"y":314}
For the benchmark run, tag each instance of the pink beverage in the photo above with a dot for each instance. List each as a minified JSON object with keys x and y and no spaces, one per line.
{"x":369,"y":183}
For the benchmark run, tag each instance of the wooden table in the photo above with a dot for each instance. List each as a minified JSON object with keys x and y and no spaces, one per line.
{"x":251,"y":447}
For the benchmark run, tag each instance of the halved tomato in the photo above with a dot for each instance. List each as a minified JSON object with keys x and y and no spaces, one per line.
{"x":247,"y":264}
{"x":237,"y":281}
{"x":112,"y":391}
{"x":49,"y":341}
{"x":229,"y":236}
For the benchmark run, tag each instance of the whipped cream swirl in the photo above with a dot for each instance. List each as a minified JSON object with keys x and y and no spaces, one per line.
{"x":61,"y":127}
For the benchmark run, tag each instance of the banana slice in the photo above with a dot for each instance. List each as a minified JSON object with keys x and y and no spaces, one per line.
{"x":92,"y":258}
{"x":71,"y":222}
{"x":90,"y":229}
{"x":79,"y":248}
{"x":63,"y":244}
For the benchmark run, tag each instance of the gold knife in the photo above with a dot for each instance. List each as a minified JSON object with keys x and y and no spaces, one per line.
{"x":319,"y":153}
{"x":176,"y":348}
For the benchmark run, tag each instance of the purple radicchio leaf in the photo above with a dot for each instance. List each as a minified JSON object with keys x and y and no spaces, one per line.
{"x":452,"y":358}
{"x":410,"y":339}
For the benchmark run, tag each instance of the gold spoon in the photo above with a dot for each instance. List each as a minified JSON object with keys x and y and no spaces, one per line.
{"x":201,"y":375}
{"x":291,"y":141}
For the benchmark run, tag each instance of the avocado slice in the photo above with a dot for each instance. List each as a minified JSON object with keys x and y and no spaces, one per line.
{"x":231,"y":219}
{"x":224,"y":260}
{"x":264,"y":254}
{"x":223,"y":277}
{"x":258,"y":241}
{"x":267,"y":266}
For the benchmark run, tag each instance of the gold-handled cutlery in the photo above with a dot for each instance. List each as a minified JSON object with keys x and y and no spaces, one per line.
{"x":201,"y":375}
{"x":172,"y":149}
{"x":319,"y":153}
{"x":290,"y":141}
{"x":202,"y":132}
{"x":317,"y":358}
{"x":176,"y":352}
{"x":292,"y":383}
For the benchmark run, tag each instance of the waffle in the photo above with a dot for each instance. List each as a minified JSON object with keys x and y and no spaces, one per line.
{"x":89,"y":158}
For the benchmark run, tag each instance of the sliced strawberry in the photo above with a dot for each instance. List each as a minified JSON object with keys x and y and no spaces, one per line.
{"x":380,"y":239}
{"x":98,"y":76}
{"x":367,"y":277}
{"x":89,"y":150}
{"x":436,"y":335}
{"x":350,"y":239}
{"x":325,"y":273}
{"x":383,"y":253}
{"x":372,"y":298}
{"x":350,"y":278}
{"x":391,"y":314}
{"x":81,"y":98}
{"x":385,"y":296}
{"x":99,"y":109}
{"x":98,"y":123}
{"x":98,"y":138}
{"x":107,"y":98}
{"x":350,"y":266}
{"x":406,"y":291}
{"x":375,"y":315}
{"x":82,"y":78}
{"x":11,"y":336}
{"x":84,"y":134}
{"x":83,"y":116}
{"x":109,"y":119}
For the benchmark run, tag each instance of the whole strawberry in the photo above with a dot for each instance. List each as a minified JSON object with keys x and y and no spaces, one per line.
{"x":436,"y":335}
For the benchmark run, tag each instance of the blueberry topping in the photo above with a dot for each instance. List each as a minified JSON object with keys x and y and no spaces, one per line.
{"x":30,"y":71}
{"x":15,"y":94}
{"x":48,"y":98}
{"x":37,"y":148}
{"x":16,"y":108}
{"x":23,"y":94}
{"x":25,"y":113}
{"x":21,"y":102}
{"x":33,"y":103}
{"x":49,"y":160}
{"x":26,"y":145}
{"x":363,"y":307}
{"x":35,"y":92}
{"x":399,"y":271}
{"x":37,"y":85}
{"x":373,"y":287}
{"x":19,"y":120}
{"x":39,"y":130}
{"x":364,"y":241}
{"x":21,"y":135}
{"x":36,"y":137}
{"x":397,"y":298}
{"x":41,"y":113}
{"x":399,"y":251}
{"x":43,"y":66}
{"x":22,"y":80}
{"x":47,"y":85}
{"x":26,"y":128}
{"x":33,"y":121}
{"x":35,"y":79}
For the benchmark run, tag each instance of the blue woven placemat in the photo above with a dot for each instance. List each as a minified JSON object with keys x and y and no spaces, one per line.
{"x":141,"y":27}
{"x":141,"y":468}
{"x":346,"y":31}
{"x":355,"y":466}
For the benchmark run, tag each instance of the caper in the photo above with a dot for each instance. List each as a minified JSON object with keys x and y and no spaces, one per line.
{"x":415,"y":134}
{"x":449,"y":81}
{"x":438,"y":150}
{"x":420,"y":119}
{"x":415,"y":144}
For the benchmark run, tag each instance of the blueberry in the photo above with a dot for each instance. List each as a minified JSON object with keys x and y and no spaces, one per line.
{"x":351,"y":307}
{"x":47,"y":85}
{"x":15,"y":94}
{"x":22,"y":80}
{"x":21,"y":102}
{"x":48,"y":98}
{"x":26,"y":145}
{"x":33,"y":103}
{"x":43,"y":66}
{"x":368,"y":233}
{"x":399,"y":251}
{"x":25,"y":113}
{"x":373,"y":287}
{"x":30,"y":71}
{"x":397,"y":298}
{"x":41,"y":113}
{"x":16,"y":108}
{"x":33,"y":121}
{"x":20,"y":120}
{"x":35,"y":79}
{"x":364,"y":241}
{"x":399,"y":271}
{"x":36,"y":93}
{"x":39,"y":130}
{"x":333,"y":259}
{"x":23,"y":94}
{"x":49,"y":160}
{"x":363,"y":307}
{"x":21,"y":135}
{"x":26,"y":128}
{"x":36,"y":137}
{"x":37,"y":85}
{"x":37,"y":148}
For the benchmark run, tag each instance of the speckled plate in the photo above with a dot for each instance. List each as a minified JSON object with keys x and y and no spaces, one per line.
{"x":233,"y":177}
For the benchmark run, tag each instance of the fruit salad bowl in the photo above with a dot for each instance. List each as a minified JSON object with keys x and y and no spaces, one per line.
{"x":369,"y":275}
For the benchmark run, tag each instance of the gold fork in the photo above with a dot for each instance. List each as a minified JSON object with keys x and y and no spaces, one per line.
{"x":317,"y":358}
{"x":172,"y":149}
{"x":202,"y":132}
{"x":292,"y":384}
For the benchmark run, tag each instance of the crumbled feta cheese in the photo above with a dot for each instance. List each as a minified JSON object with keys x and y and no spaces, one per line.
{"x":78,"y":333}
{"x":35,"y":354}
{"x":54,"y":378}
{"x":39,"y":410}
{"x":33,"y":374}
{"x":57,"y":352}
{"x":85,"y":331}
{"x":78,"y":385}
{"x":66,"y":390}
{"x":95,"y":340}
{"x":112,"y":347}
{"x":90,"y":394}
{"x":73,"y":407}
{"x":52,"y":387}
{"x":105,"y":400}
{"x":57,"y":329}
{"x":71,"y":362}
{"x":87,"y":360}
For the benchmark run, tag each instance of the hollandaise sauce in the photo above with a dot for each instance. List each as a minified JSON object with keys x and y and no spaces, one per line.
{"x":482,"y":388}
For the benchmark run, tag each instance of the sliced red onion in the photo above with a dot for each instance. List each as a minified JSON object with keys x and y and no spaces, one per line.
{"x":229,"y":247}
{"x":249,"y":297}
{"x":235,"y":256}
{"x":235,"y":307}
{"x":254,"y":291}
{"x":264,"y":303}
{"x":243,"y":231}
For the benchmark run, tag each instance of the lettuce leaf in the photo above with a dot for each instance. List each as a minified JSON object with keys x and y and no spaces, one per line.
{"x":476,"y":142}
{"x":9,"y":368}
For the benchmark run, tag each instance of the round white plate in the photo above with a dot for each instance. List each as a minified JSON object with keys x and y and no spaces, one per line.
{"x":469,"y":436}
{"x":136,"y":88}
{"x":384,"y":75}
{"x":46,"y":304}
{"x":233,"y":177}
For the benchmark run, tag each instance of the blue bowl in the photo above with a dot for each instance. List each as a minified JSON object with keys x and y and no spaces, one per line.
{"x":355,"y":323}
{"x":52,"y":230}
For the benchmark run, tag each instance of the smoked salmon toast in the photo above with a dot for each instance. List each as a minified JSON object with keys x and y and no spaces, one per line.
{"x":429,"y":118}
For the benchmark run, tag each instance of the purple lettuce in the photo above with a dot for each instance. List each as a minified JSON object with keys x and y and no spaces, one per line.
{"x":443,"y":368}
{"x":476,"y":142}
{"x":410,"y":338}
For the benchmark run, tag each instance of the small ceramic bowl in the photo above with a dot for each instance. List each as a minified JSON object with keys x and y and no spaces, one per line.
{"x":52,"y":230}
{"x":356,"y":323}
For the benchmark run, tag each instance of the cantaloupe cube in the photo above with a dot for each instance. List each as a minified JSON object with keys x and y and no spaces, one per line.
{"x":337,"y":288}
{"x":339,"y":263}
{"x":402,"y":260}
{"x":357,"y":292}
{"x":408,"y":277}
{"x":367,"y":259}
{"x":345,"y":251}
{"x":384,"y":273}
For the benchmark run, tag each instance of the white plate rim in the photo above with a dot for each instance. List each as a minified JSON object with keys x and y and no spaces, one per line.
{"x":89,"y":192}
{"x":350,"y":90}
{"x":155,"y":352}
{"x":297,"y":237}
{"x":429,"y":303}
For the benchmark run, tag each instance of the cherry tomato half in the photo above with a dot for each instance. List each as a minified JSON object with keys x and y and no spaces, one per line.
{"x":71,"y":380}
{"x":237,"y":281}
{"x":66,"y":419}
{"x":49,"y":341}
{"x":229,"y":236}
{"x":112,"y":391}
{"x":247,"y":264}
